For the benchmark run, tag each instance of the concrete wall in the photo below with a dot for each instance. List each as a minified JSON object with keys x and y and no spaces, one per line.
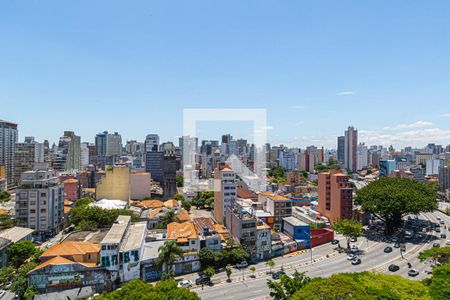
{"x":115,"y":184}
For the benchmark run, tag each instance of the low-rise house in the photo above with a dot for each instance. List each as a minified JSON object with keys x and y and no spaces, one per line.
{"x":298,"y":231}
{"x":263,"y":241}
{"x":207,"y":234}
{"x":10,"y":236}
{"x":69,"y":265}
{"x":131,"y":250}
{"x":187,"y":239}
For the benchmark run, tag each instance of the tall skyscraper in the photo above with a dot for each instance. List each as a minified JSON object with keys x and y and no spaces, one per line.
{"x":84,"y":155}
{"x":151,"y":142}
{"x":108,"y":144}
{"x":100,"y":144}
{"x":362,"y":157}
{"x":350,"y":148}
{"x":341,"y":149}
{"x":8,"y":140}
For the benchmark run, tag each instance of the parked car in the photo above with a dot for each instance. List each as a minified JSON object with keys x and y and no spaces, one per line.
{"x":443,"y":236}
{"x":413,"y":272}
{"x":393,"y":268}
{"x":277,"y":274}
{"x":436,"y":245}
{"x":243,"y":264}
{"x":334,"y":242}
{"x":354,"y":249}
{"x":356,"y":261}
{"x":437,"y":229}
{"x":438,"y":218}
{"x":388,"y":250}
{"x":353,"y":239}
{"x":442,"y":222}
{"x":397,"y":245}
{"x":185,"y":284}
{"x":203,"y":279}
{"x":448,"y":243}
{"x":350,"y":256}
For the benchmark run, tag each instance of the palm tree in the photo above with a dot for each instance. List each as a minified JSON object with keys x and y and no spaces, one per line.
{"x":167,"y":218}
{"x":228,"y":270}
{"x":168,"y":253}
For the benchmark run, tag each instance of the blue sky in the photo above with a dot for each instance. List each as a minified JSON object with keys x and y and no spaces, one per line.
{"x":316,"y":66}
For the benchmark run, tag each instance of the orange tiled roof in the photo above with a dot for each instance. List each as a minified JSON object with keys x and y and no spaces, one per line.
{"x":222,"y":231}
{"x":67,"y":209}
{"x":279,"y":198}
{"x":71,"y":248}
{"x":58,"y":260}
{"x":150,"y":203}
{"x":183,"y":215}
{"x":177,"y":231}
{"x":171,"y":203}
{"x":201,"y":223}
{"x":68,"y":203}
{"x":3,"y":212}
{"x":154,"y":212}
{"x":70,"y":180}
{"x":266,"y":193}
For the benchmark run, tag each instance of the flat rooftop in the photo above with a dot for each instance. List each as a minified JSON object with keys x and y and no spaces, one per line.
{"x":134,"y":237}
{"x":294,"y":221}
{"x":117,"y":231}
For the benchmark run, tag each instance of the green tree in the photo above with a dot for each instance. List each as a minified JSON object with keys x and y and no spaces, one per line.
{"x":348,"y":228}
{"x":138,"y":290}
{"x":5,"y":196}
{"x":209,"y":271}
{"x":441,"y":255}
{"x":6,"y":274}
{"x":229,"y":270}
{"x":186,"y":205}
{"x":20,"y":282}
{"x":168,"y":217}
{"x":168,"y":253}
{"x":178,"y":197}
{"x":6,"y":221}
{"x":287,"y":286}
{"x":83,"y":202}
{"x":206,"y":257}
{"x":270,"y":263}
{"x":390,"y":199}
{"x":253,"y":270}
{"x":19,"y":252}
{"x":362,"y":286}
{"x":439,"y":283}
{"x":180,"y":181}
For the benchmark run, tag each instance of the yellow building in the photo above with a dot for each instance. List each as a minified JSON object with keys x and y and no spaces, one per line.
{"x":2,"y":171}
{"x":115,"y":184}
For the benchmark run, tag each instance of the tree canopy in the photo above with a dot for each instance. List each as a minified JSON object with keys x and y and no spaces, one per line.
{"x":138,"y":290}
{"x":439,"y":283}
{"x":19,"y":252}
{"x":441,"y":255}
{"x":391,"y":198}
{"x":87,"y":217}
{"x":204,"y":200}
{"x":348,"y":228}
{"x":168,"y":253}
{"x":4,"y":196}
{"x":362,"y":286}
{"x":287,"y":286}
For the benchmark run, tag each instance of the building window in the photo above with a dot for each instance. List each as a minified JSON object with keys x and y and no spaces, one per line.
{"x":126,"y":257}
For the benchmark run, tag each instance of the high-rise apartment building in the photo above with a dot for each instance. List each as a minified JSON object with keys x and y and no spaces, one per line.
{"x":107,"y":144}
{"x":84,"y":155}
{"x":8,"y":140}
{"x":68,"y":156}
{"x":362,"y":157}
{"x":350,"y":148}
{"x":26,"y":155}
{"x":40,"y":203}
{"x":226,"y":194}
{"x":444,"y":178}
{"x":335,"y":195}
{"x":151,"y":142}
{"x":341,"y":150}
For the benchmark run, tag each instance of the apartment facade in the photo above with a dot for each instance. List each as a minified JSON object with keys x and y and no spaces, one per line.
{"x":115,"y":184}
{"x":242,"y":226}
{"x":40,"y":202}
{"x":8,"y":140}
{"x":350,"y":148}
{"x":226,"y":195}
{"x":335,"y":196}
{"x":280,"y":207}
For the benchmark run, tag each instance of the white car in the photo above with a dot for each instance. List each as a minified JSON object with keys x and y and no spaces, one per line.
{"x":242,"y":265}
{"x":447,"y":243}
{"x":350,"y":256}
{"x":185,"y":284}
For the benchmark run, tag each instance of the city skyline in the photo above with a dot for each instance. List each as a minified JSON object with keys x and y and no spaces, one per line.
{"x":315,"y":68}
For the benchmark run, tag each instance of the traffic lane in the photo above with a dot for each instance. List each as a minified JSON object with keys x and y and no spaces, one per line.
{"x":237,"y":289}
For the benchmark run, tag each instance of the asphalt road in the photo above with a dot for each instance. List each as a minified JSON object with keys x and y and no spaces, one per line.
{"x":326,"y":261}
